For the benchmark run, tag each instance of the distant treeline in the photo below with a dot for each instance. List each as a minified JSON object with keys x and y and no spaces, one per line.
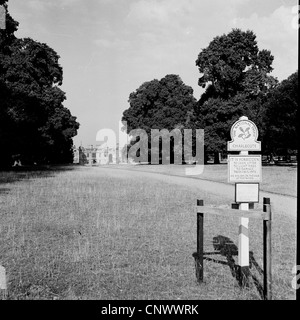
{"x":237,"y":81}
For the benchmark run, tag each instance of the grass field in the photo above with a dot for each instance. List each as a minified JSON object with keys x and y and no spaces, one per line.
{"x":101,"y":233}
{"x":277,"y":179}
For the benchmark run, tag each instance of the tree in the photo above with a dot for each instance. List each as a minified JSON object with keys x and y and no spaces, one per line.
{"x":233,"y":63}
{"x":235,"y":75}
{"x":160,"y":104}
{"x":33,"y":121}
{"x":280,"y":117}
{"x":219,"y":114}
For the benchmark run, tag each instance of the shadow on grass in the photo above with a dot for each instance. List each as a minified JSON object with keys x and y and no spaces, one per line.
{"x":4,"y":190}
{"x":16,"y":174}
{"x":226,"y":247}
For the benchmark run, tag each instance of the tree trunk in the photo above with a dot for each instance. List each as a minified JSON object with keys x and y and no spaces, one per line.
{"x":216,"y":158}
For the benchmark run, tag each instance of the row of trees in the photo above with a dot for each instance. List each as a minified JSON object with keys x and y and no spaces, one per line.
{"x":34,"y":124}
{"x":237,"y":81}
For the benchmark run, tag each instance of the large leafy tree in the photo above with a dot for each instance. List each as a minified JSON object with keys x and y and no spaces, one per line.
{"x":33,"y":121}
{"x":161,"y":104}
{"x":235,"y":75}
{"x":233,"y":63}
{"x":280,"y":117}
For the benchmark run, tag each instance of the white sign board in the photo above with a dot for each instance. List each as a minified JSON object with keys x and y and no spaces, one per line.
{"x":246,"y":192}
{"x":244,"y":135}
{"x":244,"y":168}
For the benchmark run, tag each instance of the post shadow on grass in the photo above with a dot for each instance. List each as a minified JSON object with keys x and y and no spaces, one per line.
{"x":226,"y":247}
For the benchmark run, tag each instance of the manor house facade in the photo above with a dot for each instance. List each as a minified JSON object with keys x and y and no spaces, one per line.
{"x":97,"y":155}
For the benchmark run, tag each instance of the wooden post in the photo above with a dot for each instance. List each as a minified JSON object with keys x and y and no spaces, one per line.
{"x":267,"y":250}
{"x":243,"y":245}
{"x":199,"y":257}
{"x":3,"y":284}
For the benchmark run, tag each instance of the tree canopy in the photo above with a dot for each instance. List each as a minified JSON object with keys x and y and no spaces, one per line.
{"x":33,"y":121}
{"x":161,"y":104}
{"x":233,"y":63}
{"x":280,"y":117}
{"x":235,"y":74}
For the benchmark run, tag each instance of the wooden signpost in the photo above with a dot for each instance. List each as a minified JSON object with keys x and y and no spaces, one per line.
{"x":245,"y":171}
{"x":264,"y":215}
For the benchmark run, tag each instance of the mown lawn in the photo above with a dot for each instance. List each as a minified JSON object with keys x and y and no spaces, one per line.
{"x":100,"y":233}
{"x":278,"y":179}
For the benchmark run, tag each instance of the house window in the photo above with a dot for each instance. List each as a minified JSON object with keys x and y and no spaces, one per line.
{"x":94,"y":155}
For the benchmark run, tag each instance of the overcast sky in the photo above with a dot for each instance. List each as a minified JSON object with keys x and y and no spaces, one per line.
{"x":108,"y":48}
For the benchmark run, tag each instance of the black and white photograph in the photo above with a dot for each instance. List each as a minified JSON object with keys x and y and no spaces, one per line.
{"x":148,"y":153}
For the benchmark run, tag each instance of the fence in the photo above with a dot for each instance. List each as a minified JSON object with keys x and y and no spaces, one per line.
{"x":265,"y":215}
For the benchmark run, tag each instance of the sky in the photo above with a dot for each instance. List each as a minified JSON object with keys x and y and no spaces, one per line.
{"x":108,"y":48}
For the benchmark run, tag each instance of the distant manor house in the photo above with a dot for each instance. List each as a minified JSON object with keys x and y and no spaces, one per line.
{"x":98,"y":155}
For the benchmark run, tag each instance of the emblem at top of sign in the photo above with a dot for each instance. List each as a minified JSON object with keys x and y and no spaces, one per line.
{"x":244,"y":136}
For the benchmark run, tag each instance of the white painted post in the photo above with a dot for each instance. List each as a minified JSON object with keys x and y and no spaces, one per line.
{"x":3,"y":284}
{"x":243,"y":257}
{"x":243,"y":246}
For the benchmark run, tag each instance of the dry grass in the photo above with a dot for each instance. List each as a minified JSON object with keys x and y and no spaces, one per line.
{"x":278,"y":179}
{"x":97,"y":233}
